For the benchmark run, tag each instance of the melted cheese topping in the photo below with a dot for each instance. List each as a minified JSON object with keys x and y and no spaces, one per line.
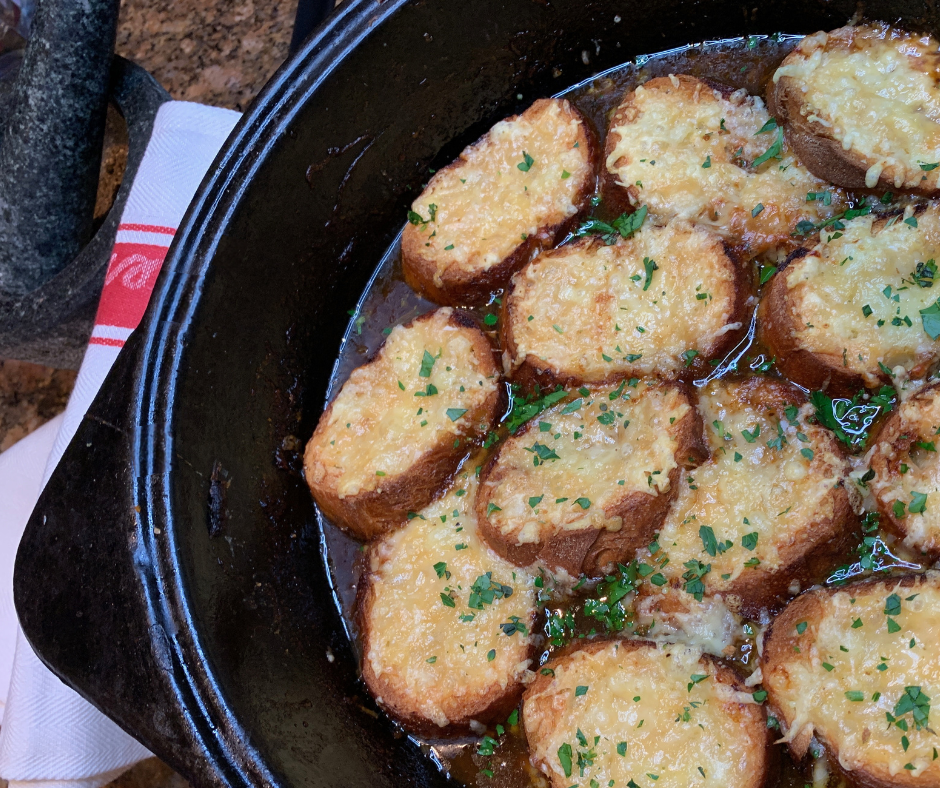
{"x":432,"y":659}
{"x":919,"y":420}
{"x":616,"y":318}
{"x":751,"y":485}
{"x":874,"y":89}
{"x":382,"y":423}
{"x":830,"y":288}
{"x":567,"y":468}
{"x":811,"y":695}
{"x":641,"y":696}
{"x":671,"y":152}
{"x":486,"y":205}
{"x":673,"y":616}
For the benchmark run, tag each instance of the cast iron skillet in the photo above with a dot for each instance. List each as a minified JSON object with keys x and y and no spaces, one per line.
{"x":214,"y":639}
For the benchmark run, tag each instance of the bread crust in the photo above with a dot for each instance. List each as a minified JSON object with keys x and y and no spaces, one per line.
{"x":589,"y":549}
{"x":810,"y":130}
{"x":916,"y":421}
{"x":804,"y":553}
{"x":367,"y":513}
{"x":458,"y":286}
{"x":750,"y":717}
{"x":785,"y":647}
{"x":720,"y":276}
{"x":704,"y":138}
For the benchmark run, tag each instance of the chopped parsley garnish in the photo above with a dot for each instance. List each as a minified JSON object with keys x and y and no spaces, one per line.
{"x":918,"y":503}
{"x":856,"y":696}
{"x":710,"y":544}
{"x":513,"y":626}
{"x":914,"y":702}
{"x":749,"y":541}
{"x":524,"y":408}
{"x":448,"y":601}
{"x":427,"y":364}
{"x":624,"y":226}
{"x":541,"y":453}
{"x":416,"y":218}
{"x":580,"y":690}
{"x":931,"y":319}
{"x":485,"y":591}
{"x":584,"y":503}
{"x":851,"y":419}
{"x":649,"y":266}
{"x":564,"y":758}
{"x":766,"y":273}
{"x":775,"y":149}
{"x":441,"y":569}
{"x":925,"y":273}
{"x":695,"y":571}
{"x":455,"y":413}
{"x":527,"y":161}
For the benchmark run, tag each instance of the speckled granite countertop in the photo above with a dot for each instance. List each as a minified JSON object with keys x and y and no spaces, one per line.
{"x":213,"y":52}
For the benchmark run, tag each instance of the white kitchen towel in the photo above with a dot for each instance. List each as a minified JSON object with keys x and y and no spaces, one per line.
{"x":50,"y":737}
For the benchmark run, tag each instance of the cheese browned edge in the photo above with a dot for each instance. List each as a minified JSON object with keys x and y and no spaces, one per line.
{"x":862,"y":107}
{"x":792,"y":496}
{"x":908,"y":438}
{"x":685,"y":717}
{"x":447,"y":258}
{"x":813,"y":314}
{"x":820,"y":667}
{"x":684,"y":147}
{"x":371,"y":460}
{"x":427,"y":663}
{"x":607,"y":487}
{"x":589,"y":312}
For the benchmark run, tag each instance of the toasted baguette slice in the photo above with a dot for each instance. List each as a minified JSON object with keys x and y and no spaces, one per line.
{"x":820,"y":666}
{"x":762,"y":514}
{"x":588,"y":482}
{"x":512,"y":193}
{"x":617,"y":314}
{"x":437,"y":666}
{"x":627,"y":711}
{"x":402,"y":423}
{"x":845,"y":311}
{"x":907,"y":466}
{"x":862,"y":107}
{"x":686,"y":149}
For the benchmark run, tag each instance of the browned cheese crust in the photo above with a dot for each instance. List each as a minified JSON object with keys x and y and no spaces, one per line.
{"x":907,"y":465}
{"x":490,"y":216}
{"x":861,"y":107}
{"x":686,"y":149}
{"x":843,"y":314}
{"x":695,"y":712}
{"x":838,"y":663}
{"x":588,"y":482}
{"x":589,"y":312}
{"x":776,"y":514}
{"x":371,"y":461}
{"x":437,"y":667}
